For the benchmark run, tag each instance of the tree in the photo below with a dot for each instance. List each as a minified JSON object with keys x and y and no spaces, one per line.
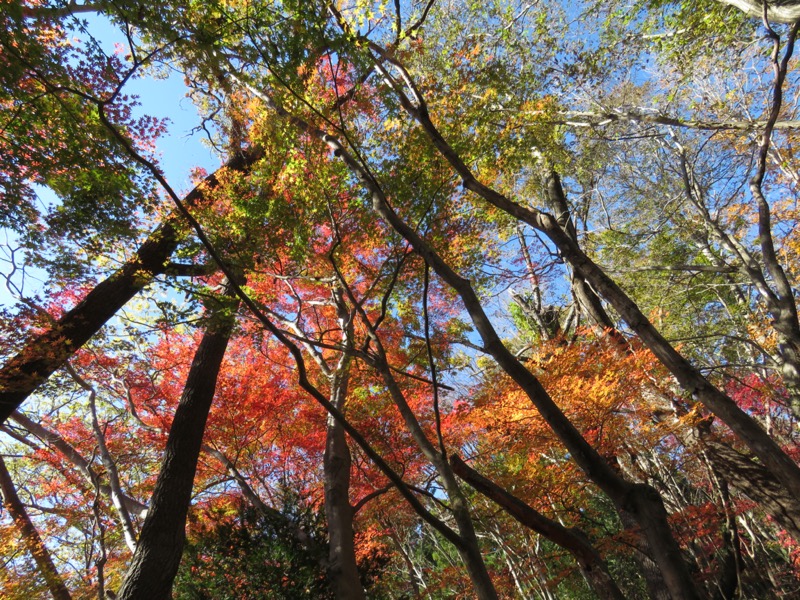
{"x":389,"y":172}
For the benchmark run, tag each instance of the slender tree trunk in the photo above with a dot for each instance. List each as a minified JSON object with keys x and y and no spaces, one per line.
{"x":467,"y":542}
{"x":342,"y":567}
{"x":642,"y":501}
{"x":30,"y":536}
{"x":115,"y":485}
{"x":730,"y":560}
{"x":158,"y":552}
{"x":587,"y":300}
{"x":47,"y":352}
{"x":469,"y":548}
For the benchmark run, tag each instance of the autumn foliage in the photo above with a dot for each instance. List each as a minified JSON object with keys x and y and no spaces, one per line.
{"x":475,"y":306}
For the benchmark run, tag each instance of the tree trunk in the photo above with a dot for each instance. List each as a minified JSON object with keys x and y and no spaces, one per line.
{"x":754,"y":481}
{"x":47,"y":352}
{"x":158,"y":552}
{"x":342,"y":567}
{"x":31,"y":537}
{"x":643,"y":557}
{"x":587,"y":300}
{"x":746,"y":428}
{"x":468,"y":547}
{"x":642,"y":501}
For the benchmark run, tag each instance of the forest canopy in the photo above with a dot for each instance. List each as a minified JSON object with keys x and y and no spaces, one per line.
{"x":481,"y":300}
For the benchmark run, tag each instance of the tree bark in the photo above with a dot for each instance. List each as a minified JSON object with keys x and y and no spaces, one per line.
{"x":47,"y":352}
{"x":690,"y":378}
{"x":751,"y":479}
{"x":468,"y":548}
{"x":158,"y":552}
{"x":587,"y":300}
{"x":642,"y":501}
{"x":31,"y":537}
{"x":342,"y":567}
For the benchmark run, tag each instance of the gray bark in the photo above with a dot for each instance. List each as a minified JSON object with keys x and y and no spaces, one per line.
{"x":79,"y":461}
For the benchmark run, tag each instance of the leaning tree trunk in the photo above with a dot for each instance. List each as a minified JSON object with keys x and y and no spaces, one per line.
{"x":642,"y":501}
{"x":160,"y":546}
{"x":71,"y":455}
{"x":751,"y":479}
{"x":587,"y":300}
{"x":469,"y":548}
{"x":690,"y":378}
{"x":31,"y":537}
{"x":49,"y":351}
